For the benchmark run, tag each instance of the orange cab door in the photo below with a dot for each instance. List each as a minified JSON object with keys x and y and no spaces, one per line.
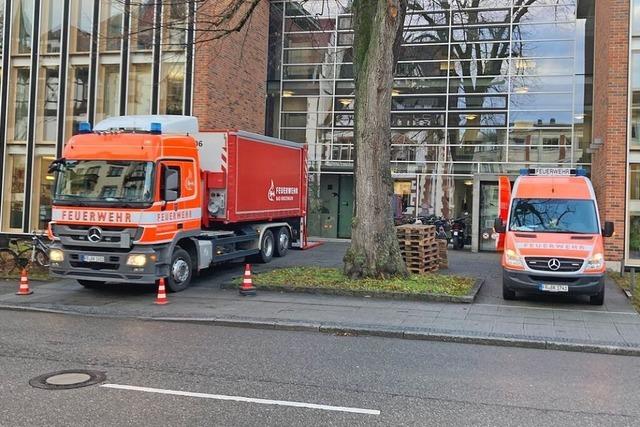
{"x":178,"y":215}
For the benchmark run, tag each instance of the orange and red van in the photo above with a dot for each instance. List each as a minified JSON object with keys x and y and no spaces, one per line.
{"x":553,"y":241}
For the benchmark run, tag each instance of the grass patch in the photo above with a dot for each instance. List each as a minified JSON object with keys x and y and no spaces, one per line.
{"x":332,"y":278}
{"x":35,"y":273}
{"x":624,"y":282}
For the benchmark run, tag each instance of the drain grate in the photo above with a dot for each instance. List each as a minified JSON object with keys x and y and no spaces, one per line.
{"x":65,"y":380}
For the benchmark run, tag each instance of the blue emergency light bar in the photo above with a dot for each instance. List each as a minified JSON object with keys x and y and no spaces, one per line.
{"x":553,"y":172}
{"x":155,"y":128}
{"x":84,"y":127}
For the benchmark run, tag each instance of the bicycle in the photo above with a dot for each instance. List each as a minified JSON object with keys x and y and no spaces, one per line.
{"x":38,"y":251}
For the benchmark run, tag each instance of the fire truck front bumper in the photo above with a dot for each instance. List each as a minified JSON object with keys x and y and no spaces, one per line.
{"x":141,"y":264}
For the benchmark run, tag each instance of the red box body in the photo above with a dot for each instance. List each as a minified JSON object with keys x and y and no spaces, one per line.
{"x":265,"y":178}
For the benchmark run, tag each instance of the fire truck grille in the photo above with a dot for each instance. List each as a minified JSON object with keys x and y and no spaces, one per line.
{"x":555,"y":265}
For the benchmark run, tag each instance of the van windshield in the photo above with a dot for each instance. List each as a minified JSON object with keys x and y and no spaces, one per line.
{"x":101,"y":182}
{"x":554,"y":216}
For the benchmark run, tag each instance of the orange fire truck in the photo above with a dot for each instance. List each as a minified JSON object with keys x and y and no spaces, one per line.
{"x":140,"y":198}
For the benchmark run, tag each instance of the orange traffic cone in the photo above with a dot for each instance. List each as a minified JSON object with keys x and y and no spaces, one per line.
{"x":161,"y":299}
{"x":247,"y":288}
{"x":24,"y":284}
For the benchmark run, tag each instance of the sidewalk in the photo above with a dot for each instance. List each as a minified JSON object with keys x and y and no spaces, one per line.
{"x":536,"y":323}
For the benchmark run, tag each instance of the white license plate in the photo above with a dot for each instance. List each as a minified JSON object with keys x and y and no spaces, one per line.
{"x":554,"y":288}
{"x":455,"y":233}
{"x":91,"y":258}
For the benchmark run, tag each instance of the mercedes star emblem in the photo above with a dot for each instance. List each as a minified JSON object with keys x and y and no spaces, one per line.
{"x":554,"y":264}
{"x":94,"y":234}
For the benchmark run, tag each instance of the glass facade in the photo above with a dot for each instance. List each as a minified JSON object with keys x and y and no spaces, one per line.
{"x":64,"y":68}
{"x":478,"y":90}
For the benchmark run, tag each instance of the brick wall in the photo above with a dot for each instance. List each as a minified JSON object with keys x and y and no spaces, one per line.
{"x":230,"y":76}
{"x":610,"y":117}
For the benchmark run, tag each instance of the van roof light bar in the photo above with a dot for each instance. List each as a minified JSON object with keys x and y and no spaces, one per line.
{"x":553,"y":172}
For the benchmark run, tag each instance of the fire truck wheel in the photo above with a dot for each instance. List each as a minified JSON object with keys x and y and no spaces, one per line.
{"x":282,"y":242}
{"x":267,"y":247}
{"x":180,"y":270}
{"x":91,"y":284}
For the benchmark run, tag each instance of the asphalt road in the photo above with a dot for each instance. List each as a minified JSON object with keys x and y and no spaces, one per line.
{"x":409,"y":383}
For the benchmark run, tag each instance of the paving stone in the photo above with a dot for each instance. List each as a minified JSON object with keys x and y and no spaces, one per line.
{"x":569,"y":323}
{"x":508,"y":328}
{"x":538,"y":321}
{"x":571,"y":332}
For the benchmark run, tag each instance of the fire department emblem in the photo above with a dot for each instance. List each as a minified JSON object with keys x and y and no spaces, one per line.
{"x":271,"y":194}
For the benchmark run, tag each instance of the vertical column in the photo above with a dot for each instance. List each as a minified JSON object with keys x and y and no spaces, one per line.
{"x":124,"y":73}
{"x":610,"y":118}
{"x":157,"y":38}
{"x":33,"y":88}
{"x":188,"y":83}
{"x":4,"y":92}
{"x":93,"y":62}
{"x":62,"y":72}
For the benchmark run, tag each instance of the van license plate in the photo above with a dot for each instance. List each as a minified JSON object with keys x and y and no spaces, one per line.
{"x":91,"y":258}
{"x":554,"y":288}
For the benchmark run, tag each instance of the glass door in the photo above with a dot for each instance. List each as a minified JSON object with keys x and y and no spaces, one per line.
{"x":489,"y":204}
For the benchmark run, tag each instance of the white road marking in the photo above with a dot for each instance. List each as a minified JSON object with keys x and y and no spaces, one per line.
{"x":243,"y":399}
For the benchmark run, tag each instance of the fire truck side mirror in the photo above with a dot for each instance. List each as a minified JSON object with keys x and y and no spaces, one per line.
{"x":499,"y":225}
{"x":170,"y":184}
{"x":608,"y":229}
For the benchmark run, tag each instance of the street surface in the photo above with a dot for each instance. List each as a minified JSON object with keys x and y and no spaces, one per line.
{"x":189,"y":374}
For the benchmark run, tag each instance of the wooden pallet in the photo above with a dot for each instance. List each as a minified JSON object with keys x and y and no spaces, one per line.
{"x":411,"y":232}
{"x":422,"y":270}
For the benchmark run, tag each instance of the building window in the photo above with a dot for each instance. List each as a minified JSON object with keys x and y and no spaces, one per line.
{"x":139,"y":93}
{"x":51,"y":26}
{"x":174,"y":28}
{"x":23,"y":26}
{"x":13,"y":196}
{"x":19,"y":104}
{"x":142,"y":24}
{"x":77,"y":98}
{"x":114,"y":171}
{"x":81,"y":25}
{"x":108,"y":95}
{"x":42,"y":190}
{"x":172,"y":88}
{"x":111,"y":15}
{"x":47,"y":114}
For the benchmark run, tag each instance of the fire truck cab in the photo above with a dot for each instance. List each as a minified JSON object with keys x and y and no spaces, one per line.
{"x":553,"y":236}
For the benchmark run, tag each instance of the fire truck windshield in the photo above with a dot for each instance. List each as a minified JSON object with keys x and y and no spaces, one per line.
{"x":104,"y":182}
{"x":554,"y":216}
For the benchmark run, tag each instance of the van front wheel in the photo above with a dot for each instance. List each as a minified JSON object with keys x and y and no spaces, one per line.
{"x":597,"y":299}
{"x":508,"y":294}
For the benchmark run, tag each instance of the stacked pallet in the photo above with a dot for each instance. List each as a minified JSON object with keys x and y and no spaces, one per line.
{"x":443,"y":247}
{"x":419,"y":247}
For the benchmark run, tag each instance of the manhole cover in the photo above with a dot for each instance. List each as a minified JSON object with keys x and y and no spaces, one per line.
{"x":65,"y":380}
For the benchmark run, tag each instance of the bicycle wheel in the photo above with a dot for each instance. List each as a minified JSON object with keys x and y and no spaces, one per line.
{"x":8,"y":261}
{"x":42,"y":258}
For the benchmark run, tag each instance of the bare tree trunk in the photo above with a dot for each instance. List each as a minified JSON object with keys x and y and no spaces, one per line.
{"x":374,"y":250}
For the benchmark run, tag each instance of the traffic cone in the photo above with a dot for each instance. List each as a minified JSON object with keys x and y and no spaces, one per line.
{"x":161,"y":299}
{"x":24,"y":284}
{"x":247,"y":288}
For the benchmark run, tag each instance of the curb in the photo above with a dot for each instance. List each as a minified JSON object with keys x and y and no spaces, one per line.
{"x":459,"y":337}
{"x":465,"y":299}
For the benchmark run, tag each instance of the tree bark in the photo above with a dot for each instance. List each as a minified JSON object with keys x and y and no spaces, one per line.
{"x":374,"y":250}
